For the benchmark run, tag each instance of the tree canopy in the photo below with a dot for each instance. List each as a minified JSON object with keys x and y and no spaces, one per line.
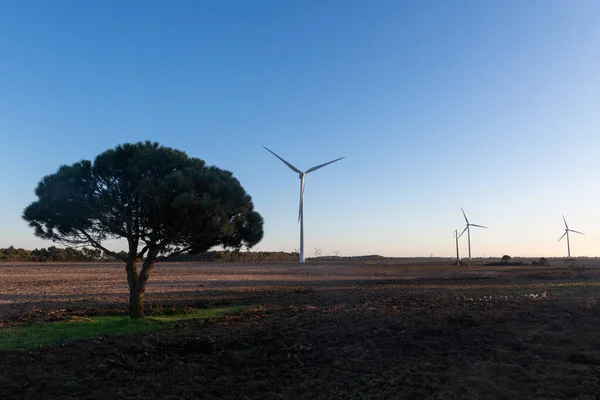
{"x":157,"y":198}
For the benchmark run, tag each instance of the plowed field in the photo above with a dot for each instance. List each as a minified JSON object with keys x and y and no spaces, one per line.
{"x":402,"y":330}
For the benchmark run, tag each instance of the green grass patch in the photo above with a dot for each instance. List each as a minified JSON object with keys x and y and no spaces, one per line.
{"x":47,"y":334}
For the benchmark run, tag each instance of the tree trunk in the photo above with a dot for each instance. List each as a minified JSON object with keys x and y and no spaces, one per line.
{"x":137,"y":284}
{"x":136,"y":290}
{"x":136,"y":302}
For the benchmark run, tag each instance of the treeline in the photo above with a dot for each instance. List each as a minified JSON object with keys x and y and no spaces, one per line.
{"x":508,"y":261}
{"x":70,"y":254}
{"x":238,"y":256}
{"x":50,"y":254}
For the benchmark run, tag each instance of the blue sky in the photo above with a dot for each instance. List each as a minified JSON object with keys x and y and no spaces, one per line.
{"x":492,"y":106}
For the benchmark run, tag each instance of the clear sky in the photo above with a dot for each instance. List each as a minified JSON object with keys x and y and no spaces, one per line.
{"x":489,"y":105}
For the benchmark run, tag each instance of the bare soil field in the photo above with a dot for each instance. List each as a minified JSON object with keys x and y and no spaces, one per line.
{"x":339,"y":330}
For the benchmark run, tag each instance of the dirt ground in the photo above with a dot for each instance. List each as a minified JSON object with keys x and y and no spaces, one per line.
{"x":347,"y":330}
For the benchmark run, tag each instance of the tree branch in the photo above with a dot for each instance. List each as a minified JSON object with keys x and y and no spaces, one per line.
{"x":97,"y":245}
{"x":174,"y":254}
{"x":141,"y":253}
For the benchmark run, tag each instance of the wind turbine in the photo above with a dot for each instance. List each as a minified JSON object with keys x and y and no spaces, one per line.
{"x":468,"y":229}
{"x":301,"y":208}
{"x":317,"y":252}
{"x":567,"y":230}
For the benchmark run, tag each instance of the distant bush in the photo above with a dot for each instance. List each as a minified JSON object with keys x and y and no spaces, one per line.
{"x":544,"y":262}
{"x":505,"y":261}
{"x":572,"y":262}
{"x":368,"y":257}
{"x":534,"y":263}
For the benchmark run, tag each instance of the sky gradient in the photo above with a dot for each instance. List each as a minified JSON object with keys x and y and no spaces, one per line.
{"x":491,"y":106}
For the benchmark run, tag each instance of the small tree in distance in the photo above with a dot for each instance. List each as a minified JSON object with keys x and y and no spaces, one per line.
{"x":506,"y":258}
{"x":160,"y":200}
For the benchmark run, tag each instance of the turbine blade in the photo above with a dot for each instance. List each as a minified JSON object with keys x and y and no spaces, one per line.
{"x":566,"y":226}
{"x":322,"y":165}
{"x":562,"y":236}
{"x":479,"y":226}
{"x":285,"y":162}
{"x":464,"y":215}
{"x":581,"y":233}
{"x":466,"y":227}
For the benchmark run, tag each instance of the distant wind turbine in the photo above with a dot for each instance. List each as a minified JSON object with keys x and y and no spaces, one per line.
{"x":567,"y":230}
{"x":301,"y":209}
{"x":336,"y":252}
{"x":317,"y":251}
{"x":468,"y":229}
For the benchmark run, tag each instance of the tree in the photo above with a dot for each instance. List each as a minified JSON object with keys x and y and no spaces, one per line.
{"x":91,"y":254}
{"x":160,"y":200}
{"x":506,"y":258}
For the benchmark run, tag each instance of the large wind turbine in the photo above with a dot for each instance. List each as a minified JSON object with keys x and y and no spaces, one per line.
{"x":567,"y":230}
{"x":301,"y":210}
{"x":468,"y":229}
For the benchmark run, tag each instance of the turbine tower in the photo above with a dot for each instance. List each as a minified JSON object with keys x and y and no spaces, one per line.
{"x":456,"y":236}
{"x":567,"y":230}
{"x":468,"y":229}
{"x":301,"y":209}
